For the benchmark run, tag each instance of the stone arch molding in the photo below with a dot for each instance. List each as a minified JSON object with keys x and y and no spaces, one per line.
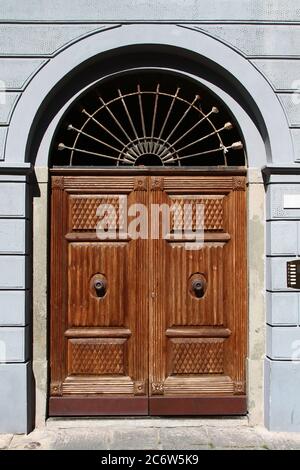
{"x":262,"y":99}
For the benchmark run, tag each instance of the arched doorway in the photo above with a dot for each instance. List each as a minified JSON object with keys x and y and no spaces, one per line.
{"x":191,"y":53}
{"x":145,"y":320}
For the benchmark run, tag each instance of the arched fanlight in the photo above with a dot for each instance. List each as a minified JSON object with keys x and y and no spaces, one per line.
{"x":156,"y":128}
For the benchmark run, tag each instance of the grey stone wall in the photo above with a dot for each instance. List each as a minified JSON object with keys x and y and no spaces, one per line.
{"x":149,"y":10}
{"x":282,"y":373}
{"x":267,"y":34}
{"x":15,"y":282}
{"x":259,"y":33}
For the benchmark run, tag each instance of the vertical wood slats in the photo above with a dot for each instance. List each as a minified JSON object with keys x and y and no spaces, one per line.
{"x":157,"y":314}
{"x":223,"y":263}
{"x":152,"y":276}
{"x":240,"y":301}
{"x":58,"y":284}
{"x":105,"y":319}
{"x":182,"y":308}
{"x":86,"y":260}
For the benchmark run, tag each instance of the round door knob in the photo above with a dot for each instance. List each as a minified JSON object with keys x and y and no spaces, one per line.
{"x":198,"y":287}
{"x":100,"y":287}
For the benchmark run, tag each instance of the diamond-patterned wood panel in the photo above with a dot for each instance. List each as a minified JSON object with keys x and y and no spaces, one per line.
{"x":84,"y":212}
{"x":94,"y":356}
{"x":188,"y":212}
{"x":197,"y":356}
{"x":148,"y":295}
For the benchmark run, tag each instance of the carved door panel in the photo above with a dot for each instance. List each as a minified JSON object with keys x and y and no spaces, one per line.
{"x":198,"y":305}
{"x":154,"y":324}
{"x":99,"y":302}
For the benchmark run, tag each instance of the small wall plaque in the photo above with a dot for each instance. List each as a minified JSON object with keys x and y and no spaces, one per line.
{"x":291,"y":201}
{"x":293,"y":274}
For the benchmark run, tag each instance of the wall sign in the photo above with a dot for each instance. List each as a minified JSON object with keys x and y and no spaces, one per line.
{"x":291,"y":201}
{"x":293,"y":274}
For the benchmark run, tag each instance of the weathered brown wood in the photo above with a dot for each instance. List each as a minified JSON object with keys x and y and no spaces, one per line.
{"x":92,"y":237}
{"x":97,"y":332}
{"x":101,"y":385}
{"x":85,"y":308}
{"x":208,"y":237}
{"x":91,"y":353}
{"x":240,"y":319}
{"x":58,"y":284}
{"x":157,"y":270}
{"x":182,"y":360}
{"x":149,"y":333}
{"x":199,"y":385}
{"x":198,"y":332}
{"x":205,"y":406}
{"x":171,"y":171}
{"x":96,"y":406}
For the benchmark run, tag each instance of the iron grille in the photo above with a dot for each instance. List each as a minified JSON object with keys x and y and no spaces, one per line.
{"x":144,"y":126}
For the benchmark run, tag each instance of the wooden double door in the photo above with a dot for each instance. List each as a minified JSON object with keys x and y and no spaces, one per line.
{"x":148,"y":323}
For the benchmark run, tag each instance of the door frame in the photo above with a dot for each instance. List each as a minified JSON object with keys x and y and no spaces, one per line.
{"x":126,"y":406}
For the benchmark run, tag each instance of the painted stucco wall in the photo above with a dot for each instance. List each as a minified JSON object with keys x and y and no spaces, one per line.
{"x":35,"y":33}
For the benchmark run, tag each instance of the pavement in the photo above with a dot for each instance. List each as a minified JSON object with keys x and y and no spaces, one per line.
{"x":152,"y":433}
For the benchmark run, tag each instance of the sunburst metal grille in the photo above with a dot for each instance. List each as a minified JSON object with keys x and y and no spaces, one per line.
{"x":152,"y":127}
